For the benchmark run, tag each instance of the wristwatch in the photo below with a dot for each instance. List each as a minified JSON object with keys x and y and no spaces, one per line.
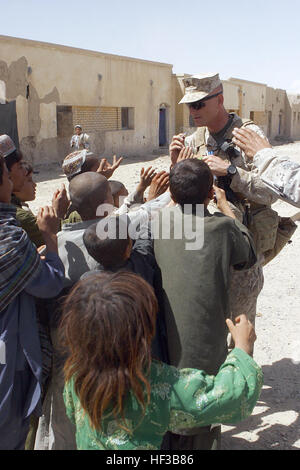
{"x":231,"y":170}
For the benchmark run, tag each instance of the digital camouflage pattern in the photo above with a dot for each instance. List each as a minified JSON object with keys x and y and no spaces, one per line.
{"x":199,"y":86}
{"x":280,"y":174}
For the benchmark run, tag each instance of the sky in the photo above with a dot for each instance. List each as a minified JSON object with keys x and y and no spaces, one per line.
{"x":256,"y":40}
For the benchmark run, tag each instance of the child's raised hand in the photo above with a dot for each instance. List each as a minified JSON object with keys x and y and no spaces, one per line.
{"x":242,"y":332}
{"x":47,"y":221}
{"x":159,"y":185}
{"x":146,"y":176}
{"x":60,"y":202}
{"x":185,"y":153}
{"x":106,"y":169}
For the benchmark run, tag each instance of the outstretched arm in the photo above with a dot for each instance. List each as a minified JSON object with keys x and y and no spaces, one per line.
{"x":199,"y":399}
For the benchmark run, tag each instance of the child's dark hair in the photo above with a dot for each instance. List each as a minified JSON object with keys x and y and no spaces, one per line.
{"x":116,"y":187}
{"x":110,"y":251}
{"x":190,"y":181}
{"x":13,"y":158}
{"x":107,"y":326}
{"x":28,"y":168}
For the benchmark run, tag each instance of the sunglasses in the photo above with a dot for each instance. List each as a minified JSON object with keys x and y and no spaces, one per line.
{"x":201,"y":103}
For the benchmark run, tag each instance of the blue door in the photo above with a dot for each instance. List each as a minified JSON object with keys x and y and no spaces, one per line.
{"x":162,"y":128}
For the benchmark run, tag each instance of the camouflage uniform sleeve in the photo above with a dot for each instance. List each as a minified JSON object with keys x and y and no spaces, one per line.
{"x":280,"y":174}
{"x":248,"y":181}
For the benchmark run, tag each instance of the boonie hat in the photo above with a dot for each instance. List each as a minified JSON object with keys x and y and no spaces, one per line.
{"x":199,"y":86}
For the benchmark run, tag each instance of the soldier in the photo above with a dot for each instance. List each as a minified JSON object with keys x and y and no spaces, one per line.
{"x":249,"y":197}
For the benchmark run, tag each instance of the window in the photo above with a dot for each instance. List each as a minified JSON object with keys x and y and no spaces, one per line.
{"x":127,"y":118}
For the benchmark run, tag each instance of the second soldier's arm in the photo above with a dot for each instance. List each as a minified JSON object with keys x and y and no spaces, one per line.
{"x":278,"y":173}
{"x":249,"y":183}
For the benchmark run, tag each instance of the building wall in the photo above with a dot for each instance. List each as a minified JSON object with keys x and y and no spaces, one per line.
{"x":294,"y":116}
{"x":231,"y":96}
{"x":276,"y":113}
{"x":42,"y":76}
{"x":183,"y":123}
{"x":254,"y":96}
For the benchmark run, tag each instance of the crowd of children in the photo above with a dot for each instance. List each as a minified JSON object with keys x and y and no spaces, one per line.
{"x":115,"y":341}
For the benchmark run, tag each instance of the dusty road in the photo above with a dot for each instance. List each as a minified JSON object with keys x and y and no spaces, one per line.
{"x":275,"y":423}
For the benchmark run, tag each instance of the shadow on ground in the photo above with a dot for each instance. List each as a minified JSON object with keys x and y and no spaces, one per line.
{"x":277,"y":432}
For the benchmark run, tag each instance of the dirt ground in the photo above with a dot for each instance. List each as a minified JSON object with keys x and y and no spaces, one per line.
{"x":275,"y":422}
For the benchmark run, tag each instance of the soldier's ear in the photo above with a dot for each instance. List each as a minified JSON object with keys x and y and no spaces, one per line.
{"x":221,"y":100}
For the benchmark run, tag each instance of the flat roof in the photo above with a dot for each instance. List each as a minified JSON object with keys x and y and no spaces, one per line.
{"x":246,"y":81}
{"x":49,"y":45}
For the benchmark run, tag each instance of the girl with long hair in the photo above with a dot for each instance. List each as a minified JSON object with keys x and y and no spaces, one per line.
{"x":116,"y":395}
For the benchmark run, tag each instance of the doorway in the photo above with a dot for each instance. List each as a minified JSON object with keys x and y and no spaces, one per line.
{"x":280,"y":124}
{"x":162,"y":127}
{"x":269,"y":123}
{"x":8,"y":121}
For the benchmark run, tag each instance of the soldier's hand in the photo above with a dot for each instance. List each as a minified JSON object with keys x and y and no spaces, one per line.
{"x":175,"y":147}
{"x":249,"y":141}
{"x":243,"y":333}
{"x":217,"y":165}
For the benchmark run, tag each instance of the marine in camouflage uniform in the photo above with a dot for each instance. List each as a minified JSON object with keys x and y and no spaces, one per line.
{"x":251,"y":194}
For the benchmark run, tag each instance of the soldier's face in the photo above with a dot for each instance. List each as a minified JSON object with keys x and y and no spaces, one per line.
{"x":205,"y":116}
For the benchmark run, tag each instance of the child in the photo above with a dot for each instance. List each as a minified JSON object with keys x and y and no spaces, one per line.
{"x":24,"y":275}
{"x":120,"y":252}
{"x":13,"y":160}
{"x":196,"y":279}
{"x":24,"y":215}
{"x":120,"y":399}
{"x":82,"y":161}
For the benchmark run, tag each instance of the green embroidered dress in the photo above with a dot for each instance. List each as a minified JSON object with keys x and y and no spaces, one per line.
{"x":180,"y":399}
